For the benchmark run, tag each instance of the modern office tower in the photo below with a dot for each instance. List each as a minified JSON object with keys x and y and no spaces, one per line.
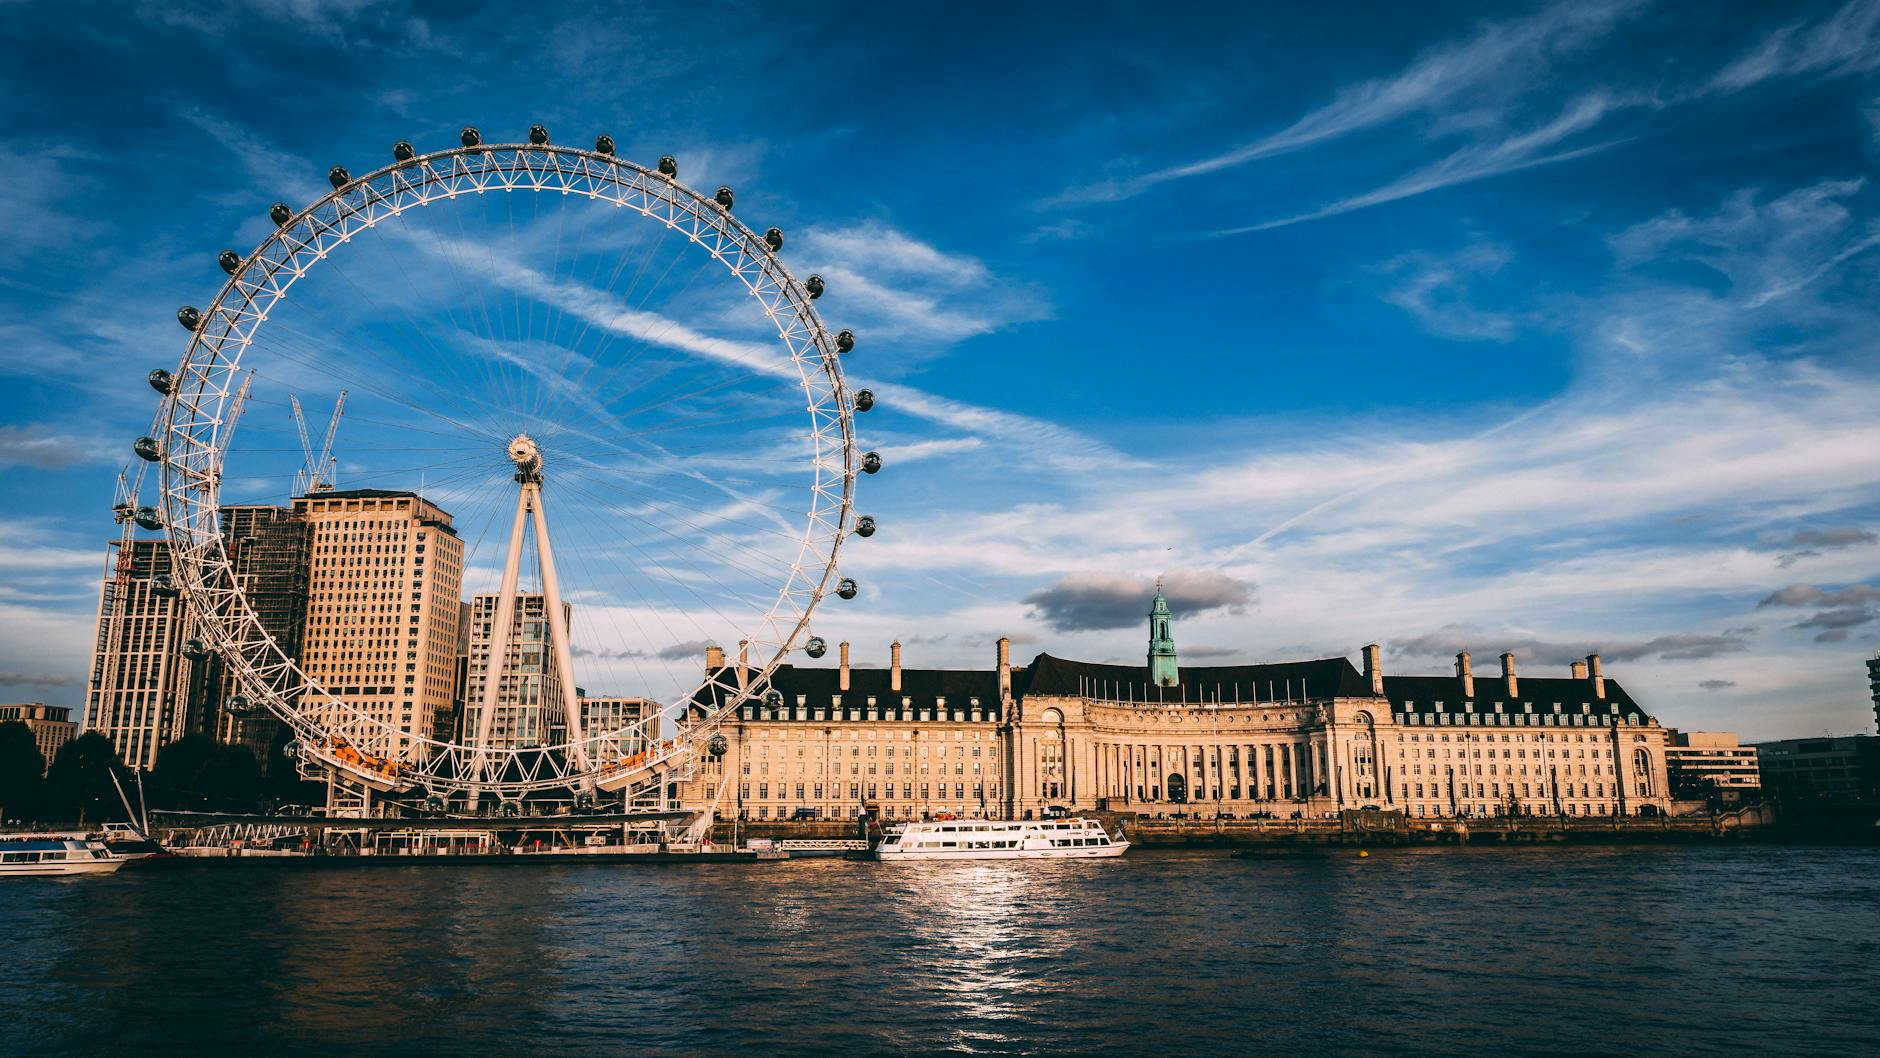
{"x":51,"y":725}
{"x":1700,"y":764}
{"x":383,"y":609}
{"x":529,"y":709}
{"x":143,"y":693}
{"x":268,"y":548}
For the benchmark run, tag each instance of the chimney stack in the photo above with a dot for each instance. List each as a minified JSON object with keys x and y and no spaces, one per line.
{"x":714,"y":658}
{"x":1579,"y":670}
{"x":1005,"y":669}
{"x":842,"y":682}
{"x":1507,"y":674}
{"x":744,"y":663}
{"x":1465,"y":674}
{"x":1373,"y":668}
{"x":894,"y":657}
{"x":1599,"y":678}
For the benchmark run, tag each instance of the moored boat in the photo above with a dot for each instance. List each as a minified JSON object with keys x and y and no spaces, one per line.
{"x":999,"y":839}
{"x":23,"y":855}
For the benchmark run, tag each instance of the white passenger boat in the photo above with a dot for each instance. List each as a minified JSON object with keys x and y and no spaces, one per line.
{"x":995,"y":839}
{"x":54,"y":854}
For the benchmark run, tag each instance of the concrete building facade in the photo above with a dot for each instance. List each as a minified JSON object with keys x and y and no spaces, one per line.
{"x":383,"y":608}
{"x":529,"y":709}
{"x":143,"y":692}
{"x":52,"y":725}
{"x":1840,"y":768}
{"x":1702,"y":762}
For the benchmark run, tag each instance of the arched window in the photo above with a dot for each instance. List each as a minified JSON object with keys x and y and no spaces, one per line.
{"x":1642,"y":770}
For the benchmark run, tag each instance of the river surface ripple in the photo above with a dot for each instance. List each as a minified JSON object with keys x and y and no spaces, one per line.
{"x":1628,"y":951}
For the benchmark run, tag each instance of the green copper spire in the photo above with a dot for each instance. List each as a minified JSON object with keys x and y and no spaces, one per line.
{"x":1163,"y":671}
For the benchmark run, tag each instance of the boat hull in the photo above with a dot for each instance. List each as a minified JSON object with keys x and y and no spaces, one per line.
{"x":919,"y":855}
{"x":57,"y":868}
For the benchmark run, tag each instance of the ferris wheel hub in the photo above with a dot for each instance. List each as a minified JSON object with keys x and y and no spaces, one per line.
{"x":527,"y":457}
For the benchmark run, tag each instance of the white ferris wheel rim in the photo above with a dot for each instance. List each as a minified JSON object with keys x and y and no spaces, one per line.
{"x":193,"y":428}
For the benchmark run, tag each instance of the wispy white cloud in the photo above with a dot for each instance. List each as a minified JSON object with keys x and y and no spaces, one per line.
{"x":1526,"y":150}
{"x":1845,"y":42}
{"x":1517,"y":51}
{"x":895,"y":287}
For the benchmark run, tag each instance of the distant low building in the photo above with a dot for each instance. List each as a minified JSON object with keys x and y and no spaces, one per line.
{"x":1842,"y":768}
{"x":1703,"y":764}
{"x":52,"y":725}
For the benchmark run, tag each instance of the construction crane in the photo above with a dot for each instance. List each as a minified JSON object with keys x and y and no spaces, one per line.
{"x":321,"y":471}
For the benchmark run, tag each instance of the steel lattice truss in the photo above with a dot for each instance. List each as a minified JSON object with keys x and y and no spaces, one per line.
{"x":196,"y":423}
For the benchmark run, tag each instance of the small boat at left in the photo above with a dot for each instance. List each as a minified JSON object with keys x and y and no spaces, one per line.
{"x":54,"y":854}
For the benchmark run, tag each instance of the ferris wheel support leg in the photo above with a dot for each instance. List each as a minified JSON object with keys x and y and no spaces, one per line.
{"x":499,"y":641}
{"x":564,"y":650}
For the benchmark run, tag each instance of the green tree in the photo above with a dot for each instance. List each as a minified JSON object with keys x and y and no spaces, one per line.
{"x":174,"y":782}
{"x":230,"y":780}
{"x":22,"y":772}
{"x":79,"y":787}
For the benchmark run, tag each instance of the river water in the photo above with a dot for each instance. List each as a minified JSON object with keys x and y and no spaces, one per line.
{"x":1624,"y":951}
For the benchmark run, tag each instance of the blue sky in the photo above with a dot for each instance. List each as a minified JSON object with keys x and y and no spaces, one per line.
{"x":1543,"y":327}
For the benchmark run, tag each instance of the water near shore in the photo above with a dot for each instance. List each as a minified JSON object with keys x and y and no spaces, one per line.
{"x":1622,"y":951}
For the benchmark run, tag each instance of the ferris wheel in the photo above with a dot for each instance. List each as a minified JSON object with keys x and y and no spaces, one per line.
{"x":534,"y":342}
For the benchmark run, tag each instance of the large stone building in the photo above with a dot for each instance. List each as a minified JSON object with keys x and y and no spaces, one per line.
{"x":1303,"y":739}
{"x":51,"y":725}
{"x":383,"y":607}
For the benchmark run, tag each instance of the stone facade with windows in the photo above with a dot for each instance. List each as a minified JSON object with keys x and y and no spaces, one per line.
{"x":1288,"y":740}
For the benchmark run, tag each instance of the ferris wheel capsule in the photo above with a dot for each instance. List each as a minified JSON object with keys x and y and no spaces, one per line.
{"x":815,"y":648}
{"x":814,"y":284}
{"x":338,"y":176}
{"x":774,"y":239}
{"x":280,"y":214}
{"x":604,"y":144}
{"x":538,"y":135}
{"x":865,"y":525}
{"x":724,"y":198}
{"x":165,"y":585}
{"x":864,"y":399}
{"x":230,"y":261}
{"x":435,"y":802}
{"x":846,"y":588}
{"x":668,"y":166}
{"x":871,"y":463}
{"x":194,"y":649}
{"x":162,"y":381}
{"x":403,"y":152}
{"x":147,"y":448}
{"x":239,"y":705}
{"x":150,"y":518}
{"x":470,"y":136}
{"x":845,"y":341}
{"x":189,"y":317}
{"x":717,"y":746}
{"x":291,"y":750}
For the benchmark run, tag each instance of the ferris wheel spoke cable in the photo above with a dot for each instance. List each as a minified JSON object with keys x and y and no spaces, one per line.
{"x":666,"y":571}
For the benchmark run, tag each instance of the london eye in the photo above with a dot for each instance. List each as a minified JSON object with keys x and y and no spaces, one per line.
{"x":619,"y":409}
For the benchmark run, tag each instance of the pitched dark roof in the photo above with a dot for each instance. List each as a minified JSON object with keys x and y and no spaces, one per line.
{"x":1541,"y":691}
{"x":921,"y":688}
{"x":1286,"y":680}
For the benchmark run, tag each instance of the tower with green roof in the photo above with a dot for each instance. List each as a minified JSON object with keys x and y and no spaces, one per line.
{"x":1163,"y":669}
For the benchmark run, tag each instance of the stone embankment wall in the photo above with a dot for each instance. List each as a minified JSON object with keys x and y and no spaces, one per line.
{"x":1360,"y":829}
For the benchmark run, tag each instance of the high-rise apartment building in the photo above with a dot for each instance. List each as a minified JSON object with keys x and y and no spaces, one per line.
{"x":268,"y":550}
{"x":1873,"y":685}
{"x":612,"y":719}
{"x":386,"y":574}
{"x":529,"y":710}
{"x":143,"y":692}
